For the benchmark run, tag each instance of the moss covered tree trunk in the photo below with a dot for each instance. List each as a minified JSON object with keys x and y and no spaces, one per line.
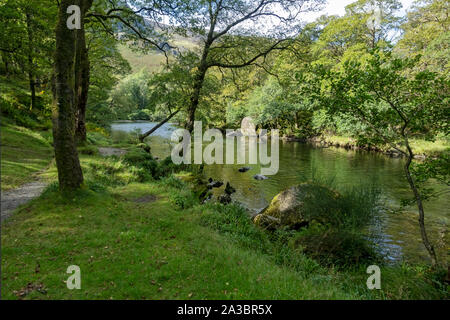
{"x":31,"y":80}
{"x":82,"y":79}
{"x":70,"y":175}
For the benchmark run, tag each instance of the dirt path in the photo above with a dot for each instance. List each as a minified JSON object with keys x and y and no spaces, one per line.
{"x":12,"y":199}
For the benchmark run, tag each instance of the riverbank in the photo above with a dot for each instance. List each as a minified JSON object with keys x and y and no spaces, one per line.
{"x":136,"y":237}
{"x":421,"y":148}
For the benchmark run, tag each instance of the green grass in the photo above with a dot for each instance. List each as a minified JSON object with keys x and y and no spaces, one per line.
{"x":154,"y":241}
{"x":128,"y":249}
{"x":423,"y":147}
{"x":419,"y":146}
{"x":154,"y":60}
{"x":23,"y":154}
{"x":138,"y":61}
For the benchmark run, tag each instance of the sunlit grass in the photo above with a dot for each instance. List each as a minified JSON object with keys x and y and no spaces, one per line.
{"x":419,"y":146}
{"x":431,"y":148}
{"x":23,"y":154}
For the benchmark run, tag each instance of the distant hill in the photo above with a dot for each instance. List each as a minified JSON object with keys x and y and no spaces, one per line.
{"x":153,"y":60}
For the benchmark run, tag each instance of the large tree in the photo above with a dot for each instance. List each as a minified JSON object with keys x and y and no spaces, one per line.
{"x":230,"y":33}
{"x":112,"y":18}
{"x":26,"y":43}
{"x":427,"y":33}
{"x":395,"y":107}
{"x":66,"y":79}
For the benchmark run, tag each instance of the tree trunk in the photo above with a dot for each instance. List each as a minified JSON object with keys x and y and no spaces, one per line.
{"x":82,"y":76}
{"x":418,"y":199}
{"x":145,"y":135}
{"x":70,"y":175}
{"x":30,"y":61}
{"x":200,"y":77}
{"x":198,"y":85}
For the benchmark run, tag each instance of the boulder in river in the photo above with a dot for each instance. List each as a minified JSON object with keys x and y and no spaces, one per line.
{"x":267,"y":222}
{"x":298,"y":205}
{"x":248,"y":127}
{"x":245,"y":169}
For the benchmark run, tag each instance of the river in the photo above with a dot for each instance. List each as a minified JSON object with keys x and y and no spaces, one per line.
{"x":398,"y":232}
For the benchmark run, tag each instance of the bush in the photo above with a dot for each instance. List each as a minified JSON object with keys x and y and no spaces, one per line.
{"x":143,"y":160}
{"x":335,"y":247}
{"x":143,"y":114}
{"x":144,"y":147}
{"x":110,"y":172}
{"x":173,"y":182}
{"x":97,"y":138}
{"x":336,"y":236}
{"x":184,"y":199}
{"x":88,"y":150}
{"x":118,"y":136}
{"x":234,"y":221}
{"x":93,"y":127}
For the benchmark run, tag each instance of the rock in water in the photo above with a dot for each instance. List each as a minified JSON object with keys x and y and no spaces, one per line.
{"x":245,"y":169}
{"x":215,"y":184}
{"x":229,"y":189}
{"x":236,"y":133}
{"x":260,"y":177}
{"x":248,"y":127}
{"x":298,"y":205}
{"x":225,"y":199}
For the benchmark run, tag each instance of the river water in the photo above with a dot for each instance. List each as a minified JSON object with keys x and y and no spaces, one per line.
{"x":398,"y":235}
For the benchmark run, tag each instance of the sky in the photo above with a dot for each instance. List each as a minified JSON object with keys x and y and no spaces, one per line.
{"x":337,"y":7}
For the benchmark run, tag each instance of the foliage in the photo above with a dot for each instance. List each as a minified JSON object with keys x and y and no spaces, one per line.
{"x":426,"y":35}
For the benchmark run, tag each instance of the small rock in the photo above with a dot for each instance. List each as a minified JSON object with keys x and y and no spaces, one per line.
{"x":225,"y":199}
{"x":245,"y":169}
{"x":260,"y":177}
{"x":229,"y":189}
{"x":215,"y":184}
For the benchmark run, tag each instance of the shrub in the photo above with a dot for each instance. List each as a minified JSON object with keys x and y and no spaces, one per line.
{"x":183,"y":199}
{"x":144,"y":147}
{"x":336,"y":236}
{"x":337,"y":247}
{"x":93,"y":127}
{"x":143,"y":160}
{"x":143,"y":114}
{"x":110,"y":172}
{"x":88,"y":150}
{"x":118,"y":136}
{"x":173,"y":182}
{"x":97,"y":138}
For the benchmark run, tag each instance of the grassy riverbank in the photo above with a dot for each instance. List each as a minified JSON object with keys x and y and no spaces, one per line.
{"x":140,"y":238}
{"x":421,"y":148}
{"x":132,"y":242}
